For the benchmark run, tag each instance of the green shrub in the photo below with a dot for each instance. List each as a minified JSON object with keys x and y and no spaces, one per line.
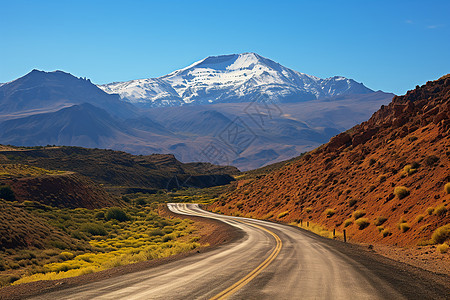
{"x":401,"y":192}
{"x":404,"y":227}
{"x":440,"y":210}
{"x":116,"y":213}
{"x":380,"y":220}
{"x":441,"y":234}
{"x":362,"y":223}
{"x":94,"y":229}
{"x":358,"y":214}
{"x":447,"y":188}
{"x":7,"y":193}
{"x":442,"y":248}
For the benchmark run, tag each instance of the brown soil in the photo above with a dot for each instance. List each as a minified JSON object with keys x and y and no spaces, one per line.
{"x":359,"y":170}
{"x":425,"y":257}
{"x":213,"y":233}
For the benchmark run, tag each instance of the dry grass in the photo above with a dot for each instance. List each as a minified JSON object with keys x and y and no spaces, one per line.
{"x":283,"y":214}
{"x":358,"y":214}
{"x":447,"y":188}
{"x":386,"y":232}
{"x":348,"y":222}
{"x":362,"y":223}
{"x":441,"y":234}
{"x":443,"y":248}
{"x":440,"y":210}
{"x":380,"y":220}
{"x":401,"y":192}
{"x":330,"y":212}
{"x":404,"y":227}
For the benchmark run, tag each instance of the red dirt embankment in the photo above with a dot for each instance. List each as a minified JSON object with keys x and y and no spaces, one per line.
{"x":405,"y":144}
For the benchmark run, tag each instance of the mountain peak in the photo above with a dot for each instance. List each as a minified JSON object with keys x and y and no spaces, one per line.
{"x":243,"y":77}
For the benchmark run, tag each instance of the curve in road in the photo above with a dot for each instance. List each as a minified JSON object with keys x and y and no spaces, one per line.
{"x":271,"y":261}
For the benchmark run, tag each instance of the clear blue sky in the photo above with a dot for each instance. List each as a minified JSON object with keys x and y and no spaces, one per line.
{"x":387,"y":45}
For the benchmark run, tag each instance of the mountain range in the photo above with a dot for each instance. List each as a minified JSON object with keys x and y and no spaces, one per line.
{"x":242,"y":110}
{"x":232,"y":78}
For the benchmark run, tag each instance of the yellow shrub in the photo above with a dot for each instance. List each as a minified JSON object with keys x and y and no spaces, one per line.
{"x":401,"y":192}
{"x":443,"y":248}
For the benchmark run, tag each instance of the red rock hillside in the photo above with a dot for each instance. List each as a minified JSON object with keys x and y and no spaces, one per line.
{"x":391,"y":170}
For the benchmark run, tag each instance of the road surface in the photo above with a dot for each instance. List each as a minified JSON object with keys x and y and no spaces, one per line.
{"x":271,"y":261}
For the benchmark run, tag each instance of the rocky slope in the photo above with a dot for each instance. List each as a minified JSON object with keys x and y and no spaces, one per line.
{"x":384,"y":181}
{"x":232,"y":78}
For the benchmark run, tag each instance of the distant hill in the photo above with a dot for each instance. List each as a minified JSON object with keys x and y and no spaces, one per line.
{"x":385,"y":180}
{"x":120,"y":169}
{"x":242,"y":77}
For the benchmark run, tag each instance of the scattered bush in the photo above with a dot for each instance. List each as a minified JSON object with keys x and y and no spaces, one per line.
{"x":116,"y":213}
{"x":100,"y":215}
{"x":362,"y":223}
{"x":443,"y":248}
{"x":66,"y":255}
{"x":419,"y":218}
{"x":358,"y":214}
{"x":308,"y":210}
{"x":382,"y":178}
{"x":431,"y":160}
{"x":330,"y":212}
{"x":447,"y":188}
{"x":283,"y":214}
{"x":94,"y":229}
{"x":386,"y":232}
{"x":352,"y":202}
{"x":7,"y":193}
{"x":404,"y":227}
{"x":409,"y":170}
{"x":440,"y":210}
{"x":380,"y":220}
{"x":430,"y":210}
{"x":348,"y":222}
{"x":156,"y":232}
{"x":441,"y":234}
{"x":401,"y":192}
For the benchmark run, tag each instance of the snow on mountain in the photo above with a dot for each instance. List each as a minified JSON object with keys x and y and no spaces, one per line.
{"x":232,"y":78}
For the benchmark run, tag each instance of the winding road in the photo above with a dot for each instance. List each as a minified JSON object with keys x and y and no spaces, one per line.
{"x":271,"y":261}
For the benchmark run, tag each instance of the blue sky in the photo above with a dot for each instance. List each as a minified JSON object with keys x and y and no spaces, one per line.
{"x":387,"y":45}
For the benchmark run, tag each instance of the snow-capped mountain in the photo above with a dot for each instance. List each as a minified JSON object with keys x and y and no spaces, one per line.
{"x":232,"y":78}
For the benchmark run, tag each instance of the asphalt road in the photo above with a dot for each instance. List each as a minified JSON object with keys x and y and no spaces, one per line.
{"x":271,"y":261}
